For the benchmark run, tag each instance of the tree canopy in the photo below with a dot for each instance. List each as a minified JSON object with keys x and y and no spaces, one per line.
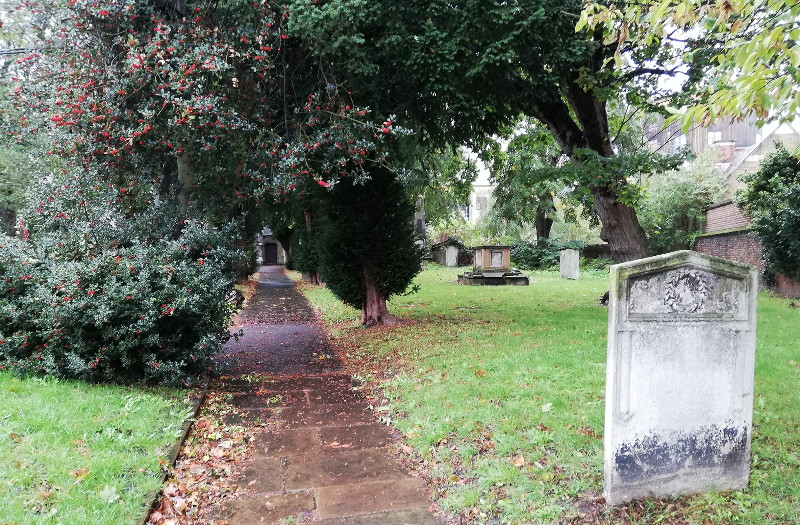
{"x":736,"y":57}
{"x":460,"y":72}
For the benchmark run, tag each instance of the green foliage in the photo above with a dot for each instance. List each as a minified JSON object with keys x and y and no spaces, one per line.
{"x":443,"y":177}
{"x":543,"y":255}
{"x":772,"y":200}
{"x":674,"y":204}
{"x":522,"y":194}
{"x":737,"y":56}
{"x":368,"y":236}
{"x":93,"y":294}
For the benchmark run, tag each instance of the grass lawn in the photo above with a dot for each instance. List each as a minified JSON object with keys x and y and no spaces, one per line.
{"x":500,"y":393}
{"x":72,"y":453}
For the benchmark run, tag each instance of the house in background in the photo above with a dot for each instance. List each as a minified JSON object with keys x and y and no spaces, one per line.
{"x":749,"y":159}
{"x":729,"y":136}
{"x":741,"y":146}
{"x":481,"y":199}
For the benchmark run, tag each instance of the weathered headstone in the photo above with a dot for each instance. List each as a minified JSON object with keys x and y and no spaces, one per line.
{"x":679,"y":385}
{"x":570,"y":264}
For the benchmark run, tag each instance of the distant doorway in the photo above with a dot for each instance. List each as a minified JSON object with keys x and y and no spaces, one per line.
{"x":271,"y":253}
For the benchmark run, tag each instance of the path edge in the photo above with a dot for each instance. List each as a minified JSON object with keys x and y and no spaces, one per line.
{"x":155,"y":496}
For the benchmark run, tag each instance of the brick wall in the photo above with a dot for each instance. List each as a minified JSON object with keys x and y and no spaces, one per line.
{"x":737,"y":246}
{"x":724,"y":216}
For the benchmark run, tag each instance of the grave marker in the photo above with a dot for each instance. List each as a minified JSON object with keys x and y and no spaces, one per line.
{"x":679,"y":384}
{"x":570,"y":264}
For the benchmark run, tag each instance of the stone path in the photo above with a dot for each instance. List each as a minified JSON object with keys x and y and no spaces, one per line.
{"x":326,"y":460}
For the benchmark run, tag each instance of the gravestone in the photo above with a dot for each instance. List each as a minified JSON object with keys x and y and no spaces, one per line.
{"x":570,"y":264}
{"x":679,"y":384}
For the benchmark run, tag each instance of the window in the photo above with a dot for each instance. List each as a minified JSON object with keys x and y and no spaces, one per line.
{"x":714,"y":136}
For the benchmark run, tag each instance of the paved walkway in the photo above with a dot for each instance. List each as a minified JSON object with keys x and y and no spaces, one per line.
{"x":326,"y":460}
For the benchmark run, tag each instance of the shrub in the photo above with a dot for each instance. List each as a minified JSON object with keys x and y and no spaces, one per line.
{"x":149,"y":312}
{"x":94,"y":295}
{"x":772,"y":201}
{"x":541,"y":256}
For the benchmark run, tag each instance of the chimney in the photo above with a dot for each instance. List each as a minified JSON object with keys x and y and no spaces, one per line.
{"x":726,"y":149}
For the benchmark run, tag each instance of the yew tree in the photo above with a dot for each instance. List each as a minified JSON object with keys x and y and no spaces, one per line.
{"x":368,"y":252}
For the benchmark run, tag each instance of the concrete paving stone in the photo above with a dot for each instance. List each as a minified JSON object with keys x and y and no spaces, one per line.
{"x":250,"y":416}
{"x":340,"y":467}
{"x":276,"y":383}
{"x":419,"y":516}
{"x":265,"y":399}
{"x":357,"y":437}
{"x":336,"y":397}
{"x":261,"y":474}
{"x":262,"y":509}
{"x":278,"y":443}
{"x":365,"y":498}
{"x":324,"y":416}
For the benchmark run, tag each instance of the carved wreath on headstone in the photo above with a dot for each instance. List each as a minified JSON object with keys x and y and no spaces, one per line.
{"x":685,"y":291}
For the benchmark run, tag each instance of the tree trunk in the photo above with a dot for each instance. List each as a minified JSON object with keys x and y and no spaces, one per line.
{"x":543,"y":222}
{"x":620,"y":227}
{"x":185,"y":177}
{"x":8,"y":218}
{"x":374,"y":311}
{"x":313,"y":277}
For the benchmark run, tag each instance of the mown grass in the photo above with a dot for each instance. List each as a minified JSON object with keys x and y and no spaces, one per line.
{"x":73,"y":453}
{"x":500,"y":391}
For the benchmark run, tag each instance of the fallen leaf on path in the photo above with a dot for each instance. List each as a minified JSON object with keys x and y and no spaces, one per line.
{"x":519,"y":461}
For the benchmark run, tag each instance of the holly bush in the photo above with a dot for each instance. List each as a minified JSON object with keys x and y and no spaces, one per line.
{"x":92,"y":294}
{"x":543,"y":255}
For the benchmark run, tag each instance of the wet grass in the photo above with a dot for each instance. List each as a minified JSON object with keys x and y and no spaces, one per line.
{"x":74,"y":453}
{"x":500,"y":393}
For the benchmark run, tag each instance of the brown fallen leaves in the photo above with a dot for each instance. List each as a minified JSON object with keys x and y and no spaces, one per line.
{"x":204,"y":474}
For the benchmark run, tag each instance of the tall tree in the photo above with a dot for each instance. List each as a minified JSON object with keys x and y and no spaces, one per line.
{"x":368,"y":249}
{"x":523,"y":193}
{"x":461,"y":71}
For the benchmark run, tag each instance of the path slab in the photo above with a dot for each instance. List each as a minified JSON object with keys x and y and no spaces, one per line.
{"x":420,"y":516}
{"x":341,"y":467}
{"x":325,"y":416}
{"x":358,"y":437}
{"x":363,"y":498}
{"x":281,"y":443}
{"x":262,"y":475}
{"x":260,"y":509}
